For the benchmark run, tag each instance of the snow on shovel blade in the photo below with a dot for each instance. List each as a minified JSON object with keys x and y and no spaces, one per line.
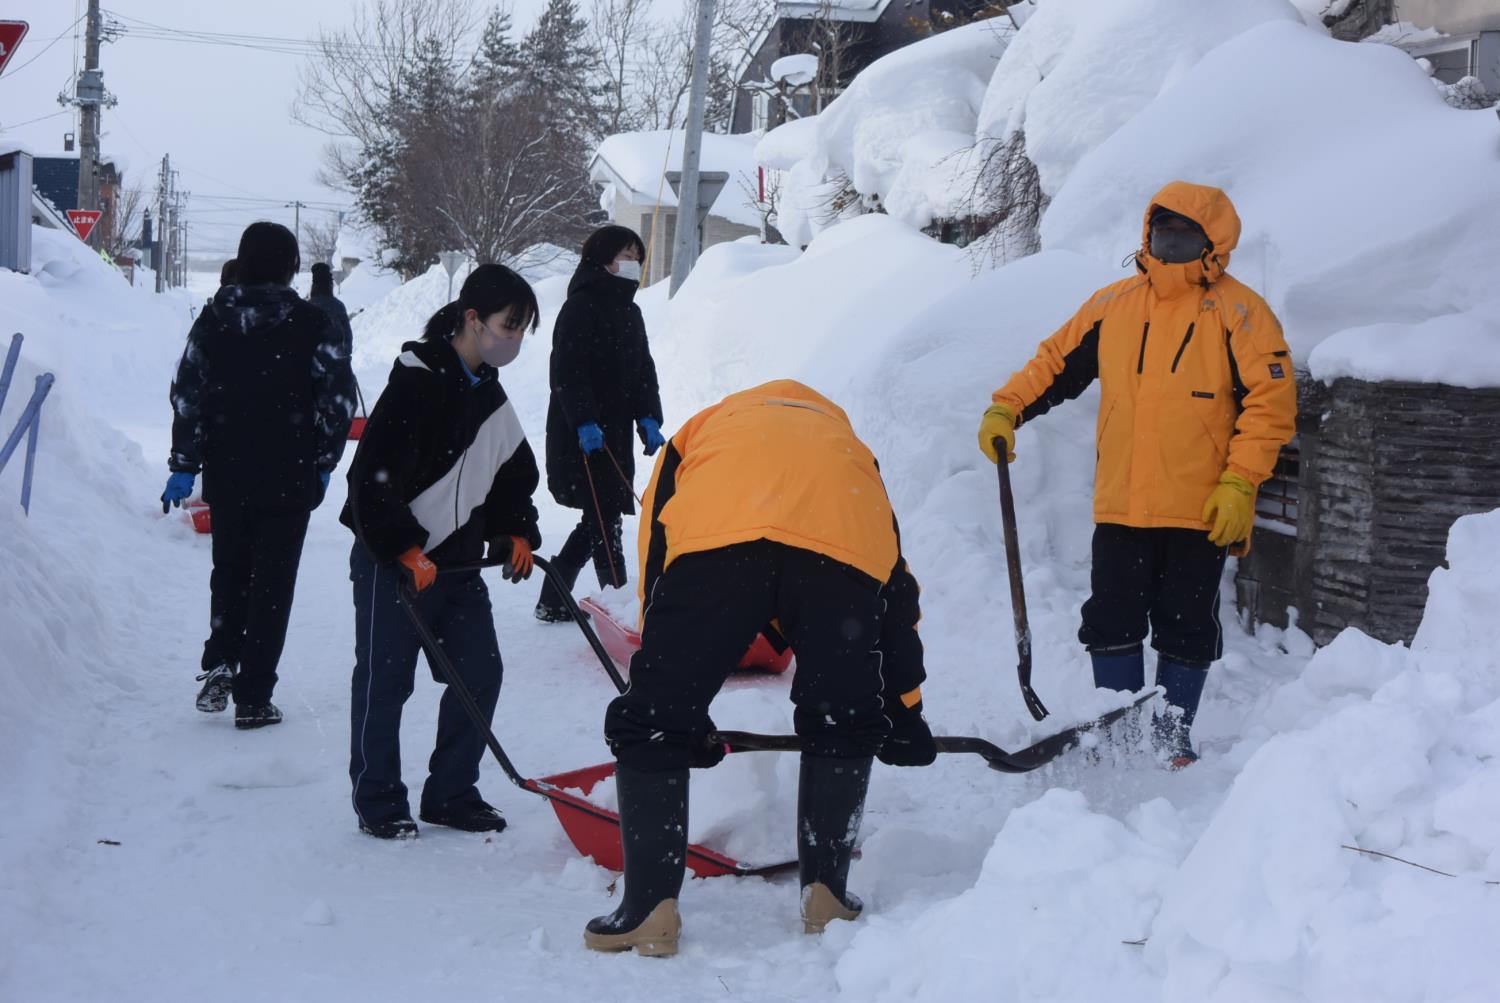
{"x":595,"y":830}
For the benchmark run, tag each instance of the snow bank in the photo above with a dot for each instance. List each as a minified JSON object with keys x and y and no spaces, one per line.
{"x":899,"y":132}
{"x":1459,"y":349}
{"x":70,"y":587}
{"x":1078,"y":71}
{"x":1365,"y":199}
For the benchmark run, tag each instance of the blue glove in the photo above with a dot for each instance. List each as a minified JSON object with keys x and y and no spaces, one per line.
{"x":179,"y":488}
{"x":651,"y":437}
{"x":323,"y":476}
{"x":590,"y":437}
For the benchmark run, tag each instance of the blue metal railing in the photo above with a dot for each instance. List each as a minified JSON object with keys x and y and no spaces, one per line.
{"x":29,"y":422}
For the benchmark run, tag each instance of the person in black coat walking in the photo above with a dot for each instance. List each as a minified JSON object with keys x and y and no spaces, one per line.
{"x":321,"y":296}
{"x":261,"y":402}
{"x":604,"y":392}
{"x":442,"y":471}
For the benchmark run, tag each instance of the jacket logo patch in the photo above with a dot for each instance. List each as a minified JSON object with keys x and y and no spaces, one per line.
{"x":1278,"y":372}
{"x":1204,"y":394}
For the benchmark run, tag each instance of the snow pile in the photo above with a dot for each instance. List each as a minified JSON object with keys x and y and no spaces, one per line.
{"x":70,"y":584}
{"x":1365,"y":199}
{"x":1459,"y":349}
{"x":899,"y":132}
{"x":1078,"y":71}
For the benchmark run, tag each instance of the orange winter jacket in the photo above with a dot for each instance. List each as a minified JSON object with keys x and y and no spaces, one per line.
{"x":1194,"y":374}
{"x":775,"y":462}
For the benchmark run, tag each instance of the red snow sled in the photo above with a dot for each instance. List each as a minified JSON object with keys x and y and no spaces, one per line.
{"x":622,"y":642}
{"x":357,"y":428}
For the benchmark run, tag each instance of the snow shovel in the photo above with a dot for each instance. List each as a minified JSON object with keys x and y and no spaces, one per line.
{"x":1017,"y":588}
{"x":1022,"y":761}
{"x":357,"y":423}
{"x":593,"y":830}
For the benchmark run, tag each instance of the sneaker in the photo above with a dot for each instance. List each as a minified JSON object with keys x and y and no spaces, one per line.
{"x":217,"y":684}
{"x":256,"y":715}
{"x":395,"y":828}
{"x":547,"y":613}
{"x":470,"y":816}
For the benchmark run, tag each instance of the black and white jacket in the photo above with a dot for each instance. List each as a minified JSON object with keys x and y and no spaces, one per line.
{"x":443,"y":463}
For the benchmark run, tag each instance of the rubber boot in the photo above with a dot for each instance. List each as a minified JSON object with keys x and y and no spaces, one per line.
{"x":1119,"y":670}
{"x":653,"y":835}
{"x":1125,"y":671}
{"x":550,"y":607}
{"x":1183,"y":684}
{"x":830,"y":805}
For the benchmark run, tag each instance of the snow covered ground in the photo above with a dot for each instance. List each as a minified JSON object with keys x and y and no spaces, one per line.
{"x":151,"y":852}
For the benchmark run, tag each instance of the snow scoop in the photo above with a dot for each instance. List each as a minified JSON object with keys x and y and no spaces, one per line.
{"x":622,"y":642}
{"x":593,"y":830}
{"x":1017,"y":587}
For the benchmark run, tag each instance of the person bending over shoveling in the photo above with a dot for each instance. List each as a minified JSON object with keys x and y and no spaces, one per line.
{"x":1196,"y":401}
{"x":765,"y":506}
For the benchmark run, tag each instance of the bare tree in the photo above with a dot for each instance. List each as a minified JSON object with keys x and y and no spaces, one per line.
{"x":123,"y":221}
{"x":344,"y":90}
{"x":618,"y":28}
{"x":320,"y":237}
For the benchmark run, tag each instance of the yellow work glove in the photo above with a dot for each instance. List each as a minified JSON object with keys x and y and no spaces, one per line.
{"x":1230,"y":510}
{"x":999,"y":422}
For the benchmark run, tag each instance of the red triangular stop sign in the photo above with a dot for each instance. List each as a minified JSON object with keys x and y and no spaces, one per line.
{"x":11,"y":33}
{"x":83,"y":221}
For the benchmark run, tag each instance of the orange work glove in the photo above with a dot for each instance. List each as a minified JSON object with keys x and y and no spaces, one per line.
{"x":999,"y":422}
{"x":518,"y":566}
{"x":1230,"y":510}
{"x":418,"y":569}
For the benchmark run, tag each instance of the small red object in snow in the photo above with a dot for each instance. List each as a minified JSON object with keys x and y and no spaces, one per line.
{"x":83,"y":221}
{"x":357,"y":428}
{"x":198,"y":511}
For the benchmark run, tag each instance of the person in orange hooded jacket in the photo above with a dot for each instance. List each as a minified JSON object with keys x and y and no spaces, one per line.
{"x":1196,"y":400}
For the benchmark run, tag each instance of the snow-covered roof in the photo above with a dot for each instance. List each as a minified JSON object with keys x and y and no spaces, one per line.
{"x":634,"y":164}
{"x":835,"y":10}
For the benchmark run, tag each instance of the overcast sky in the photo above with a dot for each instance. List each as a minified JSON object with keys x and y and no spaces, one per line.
{"x":222,"y":111}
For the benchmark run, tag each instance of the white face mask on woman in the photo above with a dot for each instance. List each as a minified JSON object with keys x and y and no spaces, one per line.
{"x":629,"y":268}
{"x":499,"y":344}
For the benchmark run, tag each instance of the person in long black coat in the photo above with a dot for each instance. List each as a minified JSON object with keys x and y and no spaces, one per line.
{"x":604,"y":393}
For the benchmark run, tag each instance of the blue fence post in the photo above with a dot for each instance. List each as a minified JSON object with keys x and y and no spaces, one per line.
{"x":10,"y":366}
{"x":43,"y":385}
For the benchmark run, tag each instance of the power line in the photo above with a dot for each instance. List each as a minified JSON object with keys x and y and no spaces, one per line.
{"x":29,"y":121}
{"x":17,"y":69}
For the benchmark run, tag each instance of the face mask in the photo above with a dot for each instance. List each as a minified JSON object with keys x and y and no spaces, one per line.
{"x":1176,"y":245}
{"x":497,"y":350}
{"x":630,"y":270}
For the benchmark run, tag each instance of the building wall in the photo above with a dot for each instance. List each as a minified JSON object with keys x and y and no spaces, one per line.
{"x":716,"y":230}
{"x":1452,"y":17}
{"x":1393,"y":466}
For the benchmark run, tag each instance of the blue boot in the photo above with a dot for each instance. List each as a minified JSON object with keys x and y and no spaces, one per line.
{"x":1184,"y":687}
{"x":1119,"y":670}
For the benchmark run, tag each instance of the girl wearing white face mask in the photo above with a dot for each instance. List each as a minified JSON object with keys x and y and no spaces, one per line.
{"x":604,"y":395}
{"x":443,"y":471}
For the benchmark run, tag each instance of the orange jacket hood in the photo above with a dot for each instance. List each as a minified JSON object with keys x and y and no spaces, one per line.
{"x":1211,"y":209}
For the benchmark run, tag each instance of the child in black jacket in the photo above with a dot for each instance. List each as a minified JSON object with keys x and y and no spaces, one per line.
{"x":442,"y":471}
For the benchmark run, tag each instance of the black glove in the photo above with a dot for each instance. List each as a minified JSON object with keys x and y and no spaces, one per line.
{"x":705,"y":753}
{"x":910,"y":741}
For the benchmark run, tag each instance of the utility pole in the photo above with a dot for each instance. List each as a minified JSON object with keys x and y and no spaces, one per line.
{"x":296,"y":208}
{"x":89,"y":96}
{"x":159,"y":254}
{"x":685,"y":238}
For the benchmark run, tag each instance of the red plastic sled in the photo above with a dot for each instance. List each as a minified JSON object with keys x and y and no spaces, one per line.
{"x":595,"y":831}
{"x":357,"y":428}
{"x":621,"y":642}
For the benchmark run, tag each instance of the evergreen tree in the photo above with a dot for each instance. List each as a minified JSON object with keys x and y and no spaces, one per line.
{"x":496,"y":67}
{"x":558,"y":63}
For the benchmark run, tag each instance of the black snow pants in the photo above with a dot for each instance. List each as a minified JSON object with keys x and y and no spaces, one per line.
{"x":1168,"y":578}
{"x":607,"y":549}
{"x":386,"y":645}
{"x":256,"y":552}
{"x":702,"y":614}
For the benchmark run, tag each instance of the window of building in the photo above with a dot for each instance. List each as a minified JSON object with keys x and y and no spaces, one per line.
{"x":760,"y":111}
{"x":1276,"y":502}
